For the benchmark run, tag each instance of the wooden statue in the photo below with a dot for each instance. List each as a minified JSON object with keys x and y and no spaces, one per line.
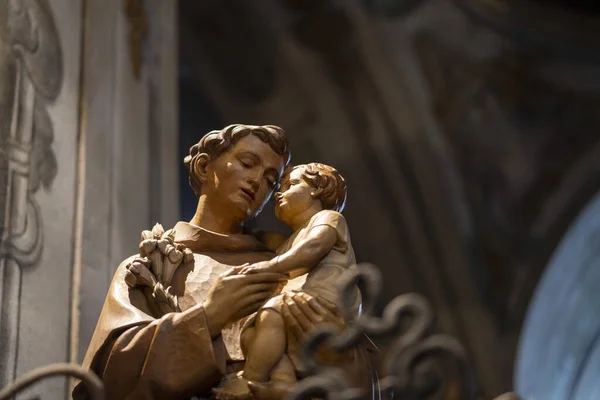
{"x":171,"y":324}
{"x":310,"y":201}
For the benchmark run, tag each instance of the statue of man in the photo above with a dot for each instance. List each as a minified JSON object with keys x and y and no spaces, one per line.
{"x":140,"y":354}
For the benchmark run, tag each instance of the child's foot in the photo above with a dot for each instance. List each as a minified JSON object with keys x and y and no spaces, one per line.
{"x":270,"y":390}
{"x":233,"y":389}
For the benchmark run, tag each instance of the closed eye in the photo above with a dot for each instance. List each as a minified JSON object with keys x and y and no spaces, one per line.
{"x":246,"y":163}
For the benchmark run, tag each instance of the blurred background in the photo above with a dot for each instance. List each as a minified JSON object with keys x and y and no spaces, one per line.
{"x":468,"y":132}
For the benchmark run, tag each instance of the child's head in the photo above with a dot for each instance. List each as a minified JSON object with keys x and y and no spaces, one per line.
{"x":302,"y":185}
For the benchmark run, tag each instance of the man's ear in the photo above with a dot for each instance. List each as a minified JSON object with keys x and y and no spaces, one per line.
{"x":316,"y":193}
{"x":200,"y":165}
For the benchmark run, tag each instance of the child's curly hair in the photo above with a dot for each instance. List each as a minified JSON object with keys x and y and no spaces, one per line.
{"x":329,"y":180}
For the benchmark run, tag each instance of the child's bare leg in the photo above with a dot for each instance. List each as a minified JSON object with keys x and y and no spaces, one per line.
{"x":267,"y":348}
{"x":246,"y":339}
{"x":283,"y":378}
{"x":265,"y":345}
{"x":284,"y":372}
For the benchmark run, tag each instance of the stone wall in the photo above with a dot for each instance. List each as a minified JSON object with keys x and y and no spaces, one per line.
{"x":130,"y":133}
{"x":40,"y":66}
{"x":87,"y":135}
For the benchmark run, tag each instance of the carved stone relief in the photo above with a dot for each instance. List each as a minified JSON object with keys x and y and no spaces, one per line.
{"x":31,"y":75}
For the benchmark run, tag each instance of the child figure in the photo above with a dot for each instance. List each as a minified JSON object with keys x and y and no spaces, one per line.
{"x":310,"y":200}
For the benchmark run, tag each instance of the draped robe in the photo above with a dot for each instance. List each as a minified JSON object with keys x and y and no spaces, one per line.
{"x":138,"y":356}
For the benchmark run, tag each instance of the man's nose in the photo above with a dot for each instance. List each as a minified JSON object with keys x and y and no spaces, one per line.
{"x":254,"y":183}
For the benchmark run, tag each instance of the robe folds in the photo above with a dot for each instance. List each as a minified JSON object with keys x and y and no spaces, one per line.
{"x":139,"y":356}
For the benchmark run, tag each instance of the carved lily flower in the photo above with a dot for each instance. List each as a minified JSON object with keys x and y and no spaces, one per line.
{"x":160,"y":256}
{"x":158,"y":231}
{"x":147,"y":247}
{"x":166,"y":301}
{"x":147,"y":235}
{"x":142,"y":274}
{"x":159,"y":293}
{"x":156,"y":257}
{"x":130,"y":279}
{"x":169,"y":236}
{"x":174,"y":258}
{"x":188,"y":255}
{"x":173,"y":302}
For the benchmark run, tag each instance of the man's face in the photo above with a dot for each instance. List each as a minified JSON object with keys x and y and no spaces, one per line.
{"x":242,"y":179}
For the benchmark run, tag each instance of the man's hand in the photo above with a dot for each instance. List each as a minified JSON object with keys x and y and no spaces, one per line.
{"x":302,"y":313}
{"x":234,"y":296}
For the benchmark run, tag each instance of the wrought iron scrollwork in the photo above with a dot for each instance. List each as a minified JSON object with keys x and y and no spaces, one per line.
{"x":93,"y":383}
{"x":414,"y":366}
{"x":412,"y":370}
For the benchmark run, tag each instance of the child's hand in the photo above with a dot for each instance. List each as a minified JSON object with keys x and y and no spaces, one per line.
{"x":263,"y":266}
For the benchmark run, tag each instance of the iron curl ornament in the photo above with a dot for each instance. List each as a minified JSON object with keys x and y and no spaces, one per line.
{"x":93,"y":383}
{"x":414,"y":366}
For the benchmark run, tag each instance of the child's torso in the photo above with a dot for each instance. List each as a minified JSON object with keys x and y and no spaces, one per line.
{"x":326,"y":277}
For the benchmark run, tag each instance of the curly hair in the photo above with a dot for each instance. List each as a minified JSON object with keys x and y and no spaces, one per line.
{"x":215,"y":143}
{"x":329,"y":180}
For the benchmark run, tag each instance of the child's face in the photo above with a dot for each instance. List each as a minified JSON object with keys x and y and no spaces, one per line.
{"x":294,"y":196}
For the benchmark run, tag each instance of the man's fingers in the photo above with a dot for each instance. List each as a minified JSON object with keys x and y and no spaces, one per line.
{"x":233,"y":270}
{"x":331,"y":307}
{"x":252,"y":304}
{"x":249,"y":270}
{"x":298,"y":315}
{"x":264,"y":277}
{"x":326,"y":314}
{"x":292,"y":324}
{"x":314,"y":304}
{"x":252,"y":308}
{"x":322,"y":306}
{"x":252,"y":300}
{"x":267,"y":288}
{"x":307,"y":310}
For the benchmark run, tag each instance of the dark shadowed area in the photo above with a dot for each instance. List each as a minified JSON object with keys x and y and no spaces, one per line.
{"x":467,"y":132}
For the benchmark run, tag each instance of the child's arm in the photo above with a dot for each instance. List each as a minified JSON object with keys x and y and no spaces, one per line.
{"x":270,"y":239}
{"x":304,"y":255}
